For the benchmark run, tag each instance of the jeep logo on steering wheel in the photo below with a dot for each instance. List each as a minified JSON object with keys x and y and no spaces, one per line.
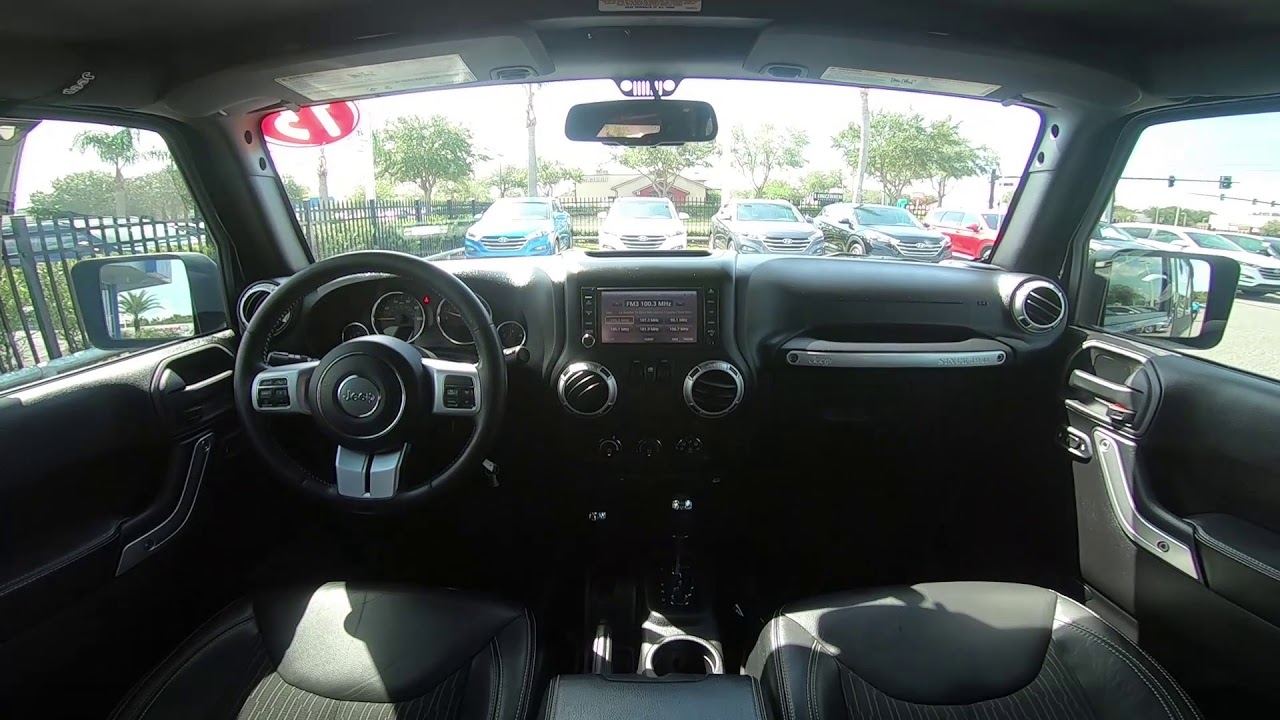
{"x":358,"y":396}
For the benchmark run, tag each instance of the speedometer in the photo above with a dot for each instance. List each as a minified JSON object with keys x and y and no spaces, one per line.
{"x":452,"y":326}
{"x":399,"y":315}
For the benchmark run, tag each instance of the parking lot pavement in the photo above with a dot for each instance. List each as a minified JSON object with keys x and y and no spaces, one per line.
{"x":1252,"y":339}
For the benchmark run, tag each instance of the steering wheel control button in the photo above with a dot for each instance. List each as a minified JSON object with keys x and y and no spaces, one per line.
{"x":358,"y":396}
{"x":459,"y":392}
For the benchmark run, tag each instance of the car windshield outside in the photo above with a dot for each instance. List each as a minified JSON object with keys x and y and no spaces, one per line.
{"x":1108,"y":231}
{"x":657,"y":209}
{"x":1252,"y":245}
{"x":772,"y":212}
{"x":518,"y":209}
{"x":412,"y":172}
{"x":885,"y":216}
{"x":1209,"y":241}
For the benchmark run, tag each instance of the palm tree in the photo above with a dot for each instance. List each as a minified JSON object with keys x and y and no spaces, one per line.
{"x":137,"y":303}
{"x":118,"y":149}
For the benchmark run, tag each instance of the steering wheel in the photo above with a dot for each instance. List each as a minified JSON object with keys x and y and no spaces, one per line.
{"x":374,"y":395}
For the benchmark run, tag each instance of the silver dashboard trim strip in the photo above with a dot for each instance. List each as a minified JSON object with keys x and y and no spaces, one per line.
{"x":142,"y":547}
{"x":813,"y":358}
{"x":1113,"y":452}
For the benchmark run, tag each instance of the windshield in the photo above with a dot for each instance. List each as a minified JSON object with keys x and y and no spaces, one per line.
{"x":417,"y":172}
{"x":1246,"y":242}
{"x":656,"y":210}
{"x":885,"y":216}
{"x":1213,"y":242}
{"x":508,"y":210}
{"x":1108,"y":231}
{"x":772,"y":212}
{"x":993,"y":221}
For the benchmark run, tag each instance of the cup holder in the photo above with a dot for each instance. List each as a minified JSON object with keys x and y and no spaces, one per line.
{"x":684,"y":655}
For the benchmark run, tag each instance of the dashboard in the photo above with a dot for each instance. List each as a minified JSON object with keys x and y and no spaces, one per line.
{"x":674,"y":362}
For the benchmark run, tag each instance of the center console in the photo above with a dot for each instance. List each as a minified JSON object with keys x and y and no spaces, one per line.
{"x":652,"y":380}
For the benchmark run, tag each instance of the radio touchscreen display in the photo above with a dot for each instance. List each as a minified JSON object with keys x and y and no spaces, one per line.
{"x":660,"y":317}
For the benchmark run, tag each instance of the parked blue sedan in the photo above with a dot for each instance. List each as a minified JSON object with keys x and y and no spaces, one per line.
{"x":518,"y":227}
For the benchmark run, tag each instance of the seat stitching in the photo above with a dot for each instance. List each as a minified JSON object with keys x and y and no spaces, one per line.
{"x":527,"y":675}
{"x":812,"y":668}
{"x":1246,"y":559}
{"x":495,"y":693}
{"x":1186,"y":698}
{"x":1131,"y":662}
{"x":156,"y":695}
{"x":780,"y":668}
{"x":755,"y":703}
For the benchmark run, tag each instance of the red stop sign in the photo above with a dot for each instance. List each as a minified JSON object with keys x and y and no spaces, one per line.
{"x":312,"y":126}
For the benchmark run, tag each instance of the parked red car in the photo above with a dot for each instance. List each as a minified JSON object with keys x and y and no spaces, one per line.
{"x":973,"y":233}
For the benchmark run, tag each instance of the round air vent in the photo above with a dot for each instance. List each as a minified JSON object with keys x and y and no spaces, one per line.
{"x":713,"y":388}
{"x":252,"y":298}
{"x":1038,"y":306}
{"x":587,"y":389}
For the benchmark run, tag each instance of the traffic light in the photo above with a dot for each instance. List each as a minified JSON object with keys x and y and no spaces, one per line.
{"x":1224,"y":182}
{"x":1172,"y":180}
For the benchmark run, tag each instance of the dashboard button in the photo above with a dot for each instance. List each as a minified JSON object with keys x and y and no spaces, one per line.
{"x":588,"y":340}
{"x":664,"y":370}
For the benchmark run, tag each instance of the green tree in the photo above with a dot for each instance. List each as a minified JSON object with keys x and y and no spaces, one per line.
{"x":952,"y":157}
{"x":137,"y":303}
{"x":424,"y":152}
{"x":118,"y":149}
{"x":778,"y":190}
{"x":554,"y":172}
{"x":1120,"y":213}
{"x":84,"y":193}
{"x":820,"y":181}
{"x":759,"y":155}
{"x":662,"y":165}
{"x":507,"y":179}
{"x":898,"y":152}
{"x":297,"y":190}
{"x":1174,"y":215}
{"x":1272,"y":228}
{"x":154,"y":195}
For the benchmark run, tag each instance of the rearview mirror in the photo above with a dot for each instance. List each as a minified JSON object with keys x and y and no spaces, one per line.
{"x":145,"y":300}
{"x":1161,"y":295}
{"x":642,"y":122}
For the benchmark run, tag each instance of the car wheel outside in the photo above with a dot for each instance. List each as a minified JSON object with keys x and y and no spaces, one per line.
{"x":856,"y":247}
{"x":985,"y":254}
{"x":1255,"y":293}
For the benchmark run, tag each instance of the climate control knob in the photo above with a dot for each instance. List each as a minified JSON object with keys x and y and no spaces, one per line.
{"x":587,"y":389}
{"x":649,"y":447}
{"x":609,"y":447}
{"x":588,"y":340}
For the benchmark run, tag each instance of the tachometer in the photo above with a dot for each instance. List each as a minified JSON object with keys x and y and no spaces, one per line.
{"x":399,"y":315}
{"x":452,"y":326}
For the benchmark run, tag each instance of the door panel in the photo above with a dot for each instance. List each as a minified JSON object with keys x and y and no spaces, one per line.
{"x":1178,"y":505}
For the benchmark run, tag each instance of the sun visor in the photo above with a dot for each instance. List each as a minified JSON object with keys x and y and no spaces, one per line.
{"x":930,"y":63}
{"x":395,"y":67}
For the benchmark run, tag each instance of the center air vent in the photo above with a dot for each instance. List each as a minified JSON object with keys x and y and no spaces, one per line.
{"x":713,"y":388}
{"x":251,"y":300}
{"x":1038,"y":306}
{"x":587,"y":389}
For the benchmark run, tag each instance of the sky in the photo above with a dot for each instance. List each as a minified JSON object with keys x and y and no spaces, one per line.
{"x":1244,"y":147}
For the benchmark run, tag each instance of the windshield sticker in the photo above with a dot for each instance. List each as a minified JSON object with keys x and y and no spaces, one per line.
{"x":916,"y":83}
{"x":381,"y":79}
{"x":651,"y":6}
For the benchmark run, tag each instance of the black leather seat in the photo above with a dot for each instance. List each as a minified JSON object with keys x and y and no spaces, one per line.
{"x":957,"y":650}
{"x":349,"y":651}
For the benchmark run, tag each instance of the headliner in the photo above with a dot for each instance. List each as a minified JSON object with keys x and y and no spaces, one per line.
{"x":194,"y":57}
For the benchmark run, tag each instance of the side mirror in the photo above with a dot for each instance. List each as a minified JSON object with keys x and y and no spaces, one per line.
{"x":683,"y":215}
{"x":145,"y":300}
{"x":1160,"y":295}
{"x":477,"y":216}
{"x":846,"y":221}
{"x":972,"y":227}
{"x":602,"y":215}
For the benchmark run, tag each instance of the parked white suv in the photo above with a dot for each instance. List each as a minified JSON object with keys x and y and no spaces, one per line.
{"x":643,"y":223}
{"x":1259,"y":275}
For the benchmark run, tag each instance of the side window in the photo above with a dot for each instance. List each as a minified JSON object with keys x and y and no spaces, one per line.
{"x":113,"y":200}
{"x":1201,"y":176}
{"x":1139,"y":232}
{"x":953,"y":218}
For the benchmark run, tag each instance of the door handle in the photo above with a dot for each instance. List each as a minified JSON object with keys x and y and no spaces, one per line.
{"x":1105,"y":389}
